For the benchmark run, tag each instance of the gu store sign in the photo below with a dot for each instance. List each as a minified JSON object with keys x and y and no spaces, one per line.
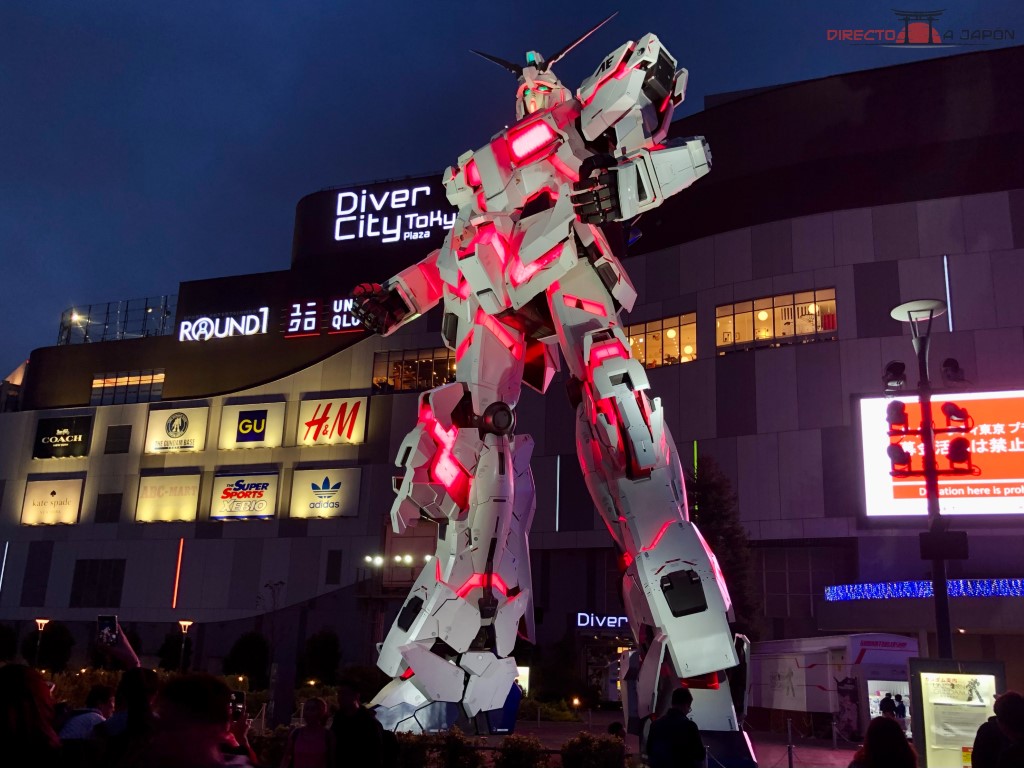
{"x":244,"y":497}
{"x":62,"y":438}
{"x":251,"y":426}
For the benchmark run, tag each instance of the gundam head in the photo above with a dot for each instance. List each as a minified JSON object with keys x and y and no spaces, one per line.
{"x":539,"y":88}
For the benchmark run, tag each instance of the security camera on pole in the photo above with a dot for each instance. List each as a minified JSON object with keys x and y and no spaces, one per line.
{"x":938,"y":544}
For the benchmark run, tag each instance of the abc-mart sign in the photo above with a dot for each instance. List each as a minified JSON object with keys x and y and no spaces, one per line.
{"x":225,"y":325}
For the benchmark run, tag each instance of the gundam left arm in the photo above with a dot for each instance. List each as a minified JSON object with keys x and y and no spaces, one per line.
{"x":385,"y":308}
{"x":630,"y":101}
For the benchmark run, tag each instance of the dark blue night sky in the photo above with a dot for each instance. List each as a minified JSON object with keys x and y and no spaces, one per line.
{"x":145,"y":143}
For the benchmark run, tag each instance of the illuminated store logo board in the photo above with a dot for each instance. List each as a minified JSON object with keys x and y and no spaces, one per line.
{"x":251,"y":426}
{"x":390,"y":213}
{"x":167,"y":498}
{"x":311,"y":317}
{"x":325,"y":493}
{"x":244,"y":497}
{"x":172,"y":430}
{"x":330,"y":422}
{"x":51,"y":502}
{"x":997,"y":448}
{"x":953,"y":707}
{"x":222,"y":326}
{"x":61,"y":438}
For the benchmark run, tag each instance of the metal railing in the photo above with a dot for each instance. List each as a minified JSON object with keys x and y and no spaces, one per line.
{"x":118,"y":320}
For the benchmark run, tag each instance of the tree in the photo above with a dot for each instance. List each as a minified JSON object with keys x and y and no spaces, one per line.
{"x":713,"y":509}
{"x":54,"y":650}
{"x":322,"y":656}
{"x":249,"y":656}
{"x":170,"y":652}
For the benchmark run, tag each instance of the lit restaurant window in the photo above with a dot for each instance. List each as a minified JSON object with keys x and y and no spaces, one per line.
{"x":127,"y":387}
{"x":785,"y":319}
{"x":412,"y":370}
{"x":668,"y":341}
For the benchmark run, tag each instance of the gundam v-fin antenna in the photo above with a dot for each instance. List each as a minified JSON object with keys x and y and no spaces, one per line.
{"x":515,"y":69}
{"x":555,"y":57}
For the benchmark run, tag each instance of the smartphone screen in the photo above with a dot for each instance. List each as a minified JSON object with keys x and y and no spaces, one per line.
{"x":107,"y":629}
{"x":238,"y":705}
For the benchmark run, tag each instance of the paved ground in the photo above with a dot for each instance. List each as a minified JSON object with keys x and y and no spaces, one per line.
{"x":771,"y":749}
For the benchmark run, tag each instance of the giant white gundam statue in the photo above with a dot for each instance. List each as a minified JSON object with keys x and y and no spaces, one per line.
{"x":530,"y":267}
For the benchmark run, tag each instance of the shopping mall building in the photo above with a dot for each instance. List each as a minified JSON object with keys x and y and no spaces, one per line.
{"x":225,"y":455}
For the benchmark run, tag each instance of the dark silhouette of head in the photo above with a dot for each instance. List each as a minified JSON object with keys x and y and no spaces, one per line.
{"x":885,"y":746}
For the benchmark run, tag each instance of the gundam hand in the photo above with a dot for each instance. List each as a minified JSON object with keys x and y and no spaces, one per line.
{"x":596,"y":199}
{"x":378,"y":309}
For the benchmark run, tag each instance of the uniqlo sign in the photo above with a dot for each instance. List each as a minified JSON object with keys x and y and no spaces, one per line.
{"x":996,"y":439}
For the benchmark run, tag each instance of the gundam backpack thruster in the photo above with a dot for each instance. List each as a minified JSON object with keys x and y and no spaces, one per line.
{"x":530,"y":268}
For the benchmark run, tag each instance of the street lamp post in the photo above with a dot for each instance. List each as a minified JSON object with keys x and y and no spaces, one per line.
{"x":939,"y":544}
{"x":40,"y":626}
{"x":184,"y":624}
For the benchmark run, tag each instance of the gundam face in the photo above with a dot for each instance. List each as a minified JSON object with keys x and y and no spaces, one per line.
{"x":526,"y":272}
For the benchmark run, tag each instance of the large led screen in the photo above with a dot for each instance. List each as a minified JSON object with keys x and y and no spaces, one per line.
{"x":997,"y":451}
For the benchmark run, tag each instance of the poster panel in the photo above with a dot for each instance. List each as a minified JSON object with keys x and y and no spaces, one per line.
{"x":325,"y":492}
{"x":337,"y":420}
{"x":251,"y":496}
{"x":171,"y":430}
{"x":52,"y":502}
{"x":251,"y":426}
{"x":167,"y":498}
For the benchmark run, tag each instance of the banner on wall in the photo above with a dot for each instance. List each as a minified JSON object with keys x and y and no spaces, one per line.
{"x":325,"y":492}
{"x":51,"y":502}
{"x":338,"y":420}
{"x":251,"y":426}
{"x":167,"y":498}
{"x":244,"y":497}
{"x":60,"y":438}
{"x":174,"y":430}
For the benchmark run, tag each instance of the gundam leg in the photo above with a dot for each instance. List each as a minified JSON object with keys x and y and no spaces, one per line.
{"x":449,"y":650}
{"x":674,"y":593}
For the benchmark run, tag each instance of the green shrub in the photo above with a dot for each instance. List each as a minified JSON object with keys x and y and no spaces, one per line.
{"x":556,"y":711}
{"x":520,"y":752}
{"x":269,"y":746}
{"x":457,"y":751}
{"x":414,"y":749}
{"x":586,"y":750}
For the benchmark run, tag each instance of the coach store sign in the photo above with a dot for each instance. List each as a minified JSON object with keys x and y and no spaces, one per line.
{"x":51,"y":502}
{"x":173,"y":430}
{"x":62,"y":438}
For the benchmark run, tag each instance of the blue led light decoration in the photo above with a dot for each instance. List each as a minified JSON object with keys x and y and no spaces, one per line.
{"x":888,"y":590}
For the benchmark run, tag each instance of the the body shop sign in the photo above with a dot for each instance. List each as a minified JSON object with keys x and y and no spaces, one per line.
{"x":167,"y":498}
{"x":328,"y":422}
{"x":62,"y":438}
{"x":244,"y":497}
{"x":997,"y":450}
{"x":325,"y":493}
{"x":51,"y":502}
{"x":251,"y":426}
{"x":181,"y":429}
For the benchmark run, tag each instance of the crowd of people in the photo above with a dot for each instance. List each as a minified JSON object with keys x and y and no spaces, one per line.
{"x":186,"y":722}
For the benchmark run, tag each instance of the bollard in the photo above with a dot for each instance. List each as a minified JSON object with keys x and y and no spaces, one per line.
{"x":789,"y":740}
{"x":590,"y":719}
{"x":707,"y":756}
{"x":835,"y":734}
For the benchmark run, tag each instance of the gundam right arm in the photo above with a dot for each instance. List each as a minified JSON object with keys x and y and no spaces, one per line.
{"x":385,"y":308}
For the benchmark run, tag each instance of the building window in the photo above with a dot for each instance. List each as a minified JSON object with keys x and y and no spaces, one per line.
{"x":119,"y":439}
{"x":127,"y":387}
{"x":97,"y":584}
{"x":412,"y":370}
{"x":667,"y":341}
{"x":108,"y":507}
{"x":785,"y":319}
{"x":333,"y":574}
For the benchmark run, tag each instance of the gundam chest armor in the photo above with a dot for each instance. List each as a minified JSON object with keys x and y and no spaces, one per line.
{"x":529,"y":271}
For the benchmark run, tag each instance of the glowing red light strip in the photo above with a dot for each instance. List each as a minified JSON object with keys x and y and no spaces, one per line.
{"x":500,"y":332}
{"x":478,"y":580}
{"x":529,"y":140}
{"x":593,"y":307}
{"x":620,"y":72}
{"x":473,"y":173}
{"x":177,"y":573}
{"x":464,"y":346}
{"x":520,"y":273}
{"x":603,"y":352}
{"x":657,"y":537}
{"x":563,"y":169}
{"x":407,"y":674}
